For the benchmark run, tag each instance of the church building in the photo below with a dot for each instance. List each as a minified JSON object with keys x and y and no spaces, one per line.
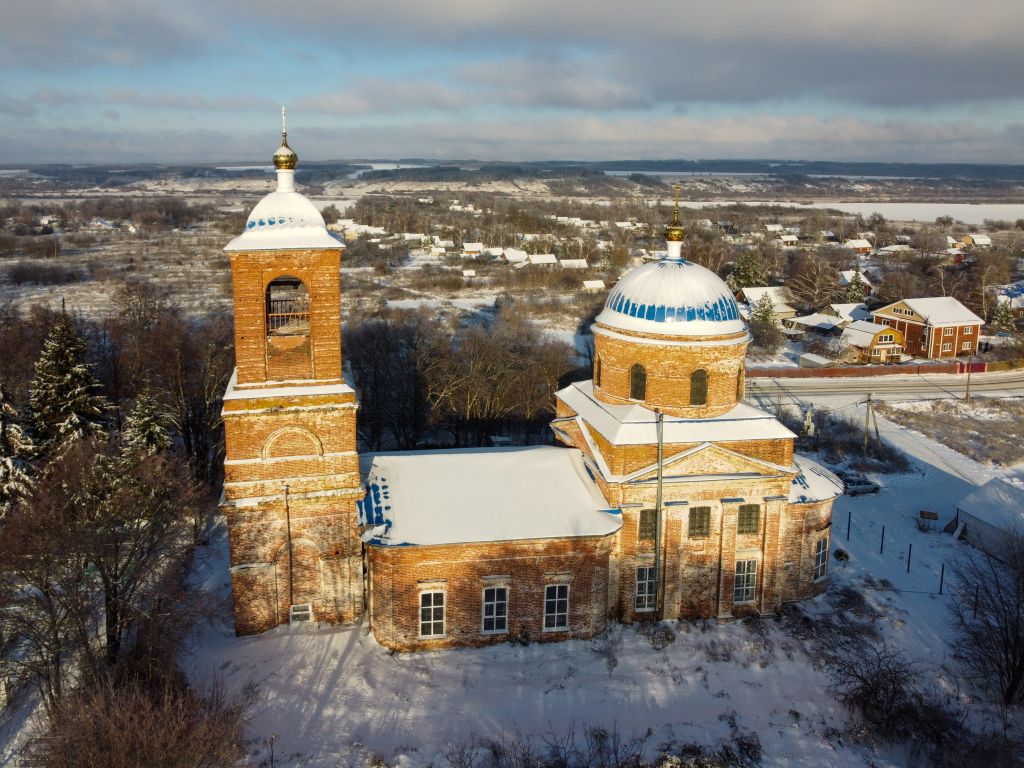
{"x":667,"y":497}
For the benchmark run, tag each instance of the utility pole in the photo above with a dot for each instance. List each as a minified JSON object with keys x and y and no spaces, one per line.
{"x":288,"y":528}
{"x":657,"y":517}
{"x":967,"y":394}
{"x":867,"y":423}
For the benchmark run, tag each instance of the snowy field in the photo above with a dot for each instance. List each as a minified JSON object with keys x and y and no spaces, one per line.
{"x":333,"y":696}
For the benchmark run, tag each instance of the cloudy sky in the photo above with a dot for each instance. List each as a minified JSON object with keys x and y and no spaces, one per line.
{"x":203,"y":80}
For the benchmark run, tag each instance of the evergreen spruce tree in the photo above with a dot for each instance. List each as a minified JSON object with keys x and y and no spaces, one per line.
{"x":749,"y":270}
{"x":764,"y":311}
{"x":765,"y":327}
{"x":65,"y":399}
{"x":15,"y":449}
{"x":1002,"y":318}
{"x":855,"y":291}
{"x":144,"y":430}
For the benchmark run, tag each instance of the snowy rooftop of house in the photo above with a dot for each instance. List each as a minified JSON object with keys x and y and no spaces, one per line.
{"x":817,"y":321}
{"x":846,"y":277}
{"x":777,"y":293}
{"x":999,"y":502}
{"x":1012,"y":294}
{"x":482,"y":494}
{"x":814,"y":483}
{"x":851,"y":311}
{"x":672,"y":297}
{"x":857,"y":243}
{"x":284,"y":220}
{"x":942,"y":310}
{"x":861,"y":333}
{"x":636,"y":425}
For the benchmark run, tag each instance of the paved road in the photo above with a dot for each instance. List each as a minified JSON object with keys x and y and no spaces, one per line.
{"x":902,"y":387}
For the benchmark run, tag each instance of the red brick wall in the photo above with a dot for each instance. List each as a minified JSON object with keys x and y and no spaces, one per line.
{"x":398,"y":575}
{"x":669,"y":369}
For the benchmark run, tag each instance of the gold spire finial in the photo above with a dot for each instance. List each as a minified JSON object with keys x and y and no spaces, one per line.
{"x":675,"y":231}
{"x":285,"y":158}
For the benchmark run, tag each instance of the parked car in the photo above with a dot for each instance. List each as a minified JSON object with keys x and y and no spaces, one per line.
{"x":855,"y":484}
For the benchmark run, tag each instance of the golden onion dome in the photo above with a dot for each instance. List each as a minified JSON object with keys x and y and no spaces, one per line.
{"x":674,"y":232}
{"x":285,"y":158}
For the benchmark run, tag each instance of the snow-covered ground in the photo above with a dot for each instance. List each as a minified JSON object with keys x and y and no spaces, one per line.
{"x":331,"y":694}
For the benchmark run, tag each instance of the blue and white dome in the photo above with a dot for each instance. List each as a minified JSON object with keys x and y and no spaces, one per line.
{"x":672,"y":297}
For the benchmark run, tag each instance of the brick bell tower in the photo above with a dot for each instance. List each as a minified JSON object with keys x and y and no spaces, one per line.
{"x":291,"y":471}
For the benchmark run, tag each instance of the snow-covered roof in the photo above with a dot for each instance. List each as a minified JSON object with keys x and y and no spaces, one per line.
{"x":543,"y":258}
{"x":1012,"y":294}
{"x":942,"y":310}
{"x":778,"y":294}
{"x":857,"y":243}
{"x":860,"y":333}
{"x":999,"y":502}
{"x":284,"y":220}
{"x":472,"y":247}
{"x":979,"y":239}
{"x":573,"y":263}
{"x":636,"y":425}
{"x":515,"y":255}
{"x":482,"y":494}
{"x":594,"y":285}
{"x":816,"y":321}
{"x":814,"y":483}
{"x":672,"y":297}
{"x":851,"y":311}
{"x":846,"y":277}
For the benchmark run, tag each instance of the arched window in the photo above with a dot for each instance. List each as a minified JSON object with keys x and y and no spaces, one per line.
{"x":597,"y":371}
{"x":287,"y":307}
{"x":638,"y":382}
{"x":699,"y":387}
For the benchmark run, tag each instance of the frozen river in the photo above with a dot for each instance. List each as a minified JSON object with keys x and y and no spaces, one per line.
{"x":966,"y":212}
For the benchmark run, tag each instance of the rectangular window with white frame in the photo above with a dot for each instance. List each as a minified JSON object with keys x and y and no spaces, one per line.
{"x":968,"y":330}
{"x":495,"y":610}
{"x":556,"y":607}
{"x":965,"y":345}
{"x":432,"y":614}
{"x":745,"y":586}
{"x":646,"y":588}
{"x":821,"y":558}
{"x":947,"y":331}
{"x":947,"y":347}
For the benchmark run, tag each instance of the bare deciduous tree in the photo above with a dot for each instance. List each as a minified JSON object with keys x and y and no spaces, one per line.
{"x":988,"y":615}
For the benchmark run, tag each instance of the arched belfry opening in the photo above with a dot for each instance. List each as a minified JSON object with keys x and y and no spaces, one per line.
{"x":289,"y":352}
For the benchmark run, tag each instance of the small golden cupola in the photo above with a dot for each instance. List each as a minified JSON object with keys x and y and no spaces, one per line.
{"x":285,"y":158}
{"x":674,"y":232}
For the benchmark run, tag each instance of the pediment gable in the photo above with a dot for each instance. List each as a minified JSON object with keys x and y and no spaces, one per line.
{"x":708,"y":460}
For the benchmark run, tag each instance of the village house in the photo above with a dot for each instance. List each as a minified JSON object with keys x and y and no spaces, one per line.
{"x":847,"y":276}
{"x":869,"y":342}
{"x":779,"y":297}
{"x":667,"y":497}
{"x":847,"y":312}
{"x":1013,"y":295}
{"x":937,"y":327}
{"x":858,"y":245}
{"x":977,"y":241}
